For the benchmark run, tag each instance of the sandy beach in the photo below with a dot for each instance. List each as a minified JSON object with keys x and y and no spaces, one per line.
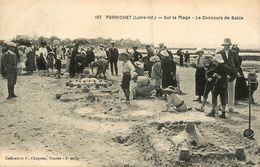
{"x":39,"y":130}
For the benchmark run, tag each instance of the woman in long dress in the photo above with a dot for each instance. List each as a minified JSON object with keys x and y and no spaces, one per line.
{"x":72,"y":70}
{"x":200,"y":79}
{"x":30,"y":61}
{"x":42,"y":57}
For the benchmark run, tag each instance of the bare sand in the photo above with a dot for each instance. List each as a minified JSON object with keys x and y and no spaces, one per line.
{"x":79,"y":131}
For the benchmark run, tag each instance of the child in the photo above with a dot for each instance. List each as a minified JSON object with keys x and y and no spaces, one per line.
{"x":208,"y":64}
{"x":127,"y":70}
{"x":156,"y":75}
{"x":221,"y":73}
{"x":50,"y":61}
{"x":253,"y":84}
{"x":175,"y":100}
{"x":58,"y":64}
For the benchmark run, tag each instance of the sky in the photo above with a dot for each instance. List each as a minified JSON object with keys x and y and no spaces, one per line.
{"x":76,"y":18}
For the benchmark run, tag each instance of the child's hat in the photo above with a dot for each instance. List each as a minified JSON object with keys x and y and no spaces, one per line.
{"x":171,"y":89}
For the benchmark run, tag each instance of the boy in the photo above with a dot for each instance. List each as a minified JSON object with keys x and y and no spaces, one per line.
{"x":221,"y":73}
{"x":175,"y":100}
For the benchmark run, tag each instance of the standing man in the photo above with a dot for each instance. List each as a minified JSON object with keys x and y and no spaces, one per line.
{"x":113,"y":58}
{"x":10,"y":66}
{"x":137,"y":55}
{"x":231,"y":60}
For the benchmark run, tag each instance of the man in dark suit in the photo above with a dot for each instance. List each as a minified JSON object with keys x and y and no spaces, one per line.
{"x":136,"y":55}
{"x":230,"y":58}
{"x":10,"y":62}
{"x":113,"y":58}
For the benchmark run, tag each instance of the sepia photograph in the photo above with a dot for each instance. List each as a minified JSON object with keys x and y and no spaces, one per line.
{"x":129,"y":83}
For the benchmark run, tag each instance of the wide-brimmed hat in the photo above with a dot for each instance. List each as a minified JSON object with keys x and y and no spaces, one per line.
{"x":135,"y":47}
{"x":198,"y":50}
{"x":11,"y":44}
{"x":164,"y":53}
{"x":227,"y":41}
{"x":218,"y":58}
{"x":52,"y":53}
{"x":43,"y":43}
{"x":154,"y":59}
{"x":83,"y":52}
{"x":171,"y":89}
{"x":161,"y":44}
{"x":112,"y":42}
{"x":101,"y":45}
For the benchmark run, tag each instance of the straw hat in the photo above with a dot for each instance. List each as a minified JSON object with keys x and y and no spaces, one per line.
{"x":227,"y":41}
{"x":101,"y":45}
{"x":112,"y":42}
{"x":12,"y":44}
{"x":154,"y":59}
{"x":218,"y":58}
{"x":161,"y":44}
{"x":83,"y":52}
{"x":199,"y":50}
{"x":171,"y":89}
{"x":164,"y":53}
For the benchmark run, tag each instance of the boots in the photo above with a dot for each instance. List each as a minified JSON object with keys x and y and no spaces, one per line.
{"x":211,"y":114}
{"x":11,"y":92}
{"x":223,"y":115}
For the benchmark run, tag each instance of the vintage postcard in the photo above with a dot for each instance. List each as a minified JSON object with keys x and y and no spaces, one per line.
{"x":129,"y":83}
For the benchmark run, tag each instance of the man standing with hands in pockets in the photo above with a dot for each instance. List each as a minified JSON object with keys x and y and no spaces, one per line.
{"x":230,"y":58}
{"x":10,"y":66}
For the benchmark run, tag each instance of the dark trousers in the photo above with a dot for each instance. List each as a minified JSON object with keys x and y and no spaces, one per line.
{"x":11,"y":81}
{"x":222,"y":92}
{"x":113,"y":64}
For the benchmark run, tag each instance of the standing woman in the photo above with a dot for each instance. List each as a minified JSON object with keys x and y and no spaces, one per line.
{"x":75,"y":51}
{"x":127,"y":70}
{"x":42,"y":56}
{"x":200,"y":79}
{"x":156,"y":75}
{"x":30,"y":62}
{"x":168,"y":70}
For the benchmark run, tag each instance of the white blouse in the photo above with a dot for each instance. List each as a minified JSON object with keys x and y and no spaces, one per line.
{"x":128,"y":67}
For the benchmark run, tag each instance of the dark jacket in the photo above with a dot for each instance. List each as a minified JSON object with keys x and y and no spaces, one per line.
{"x":113,"y":54}
{"x":137,"y":56}
{"x":90,"y":56}
{"x":10,"y":62}
{"x":231,"y":60}
{"x":222,"y":70}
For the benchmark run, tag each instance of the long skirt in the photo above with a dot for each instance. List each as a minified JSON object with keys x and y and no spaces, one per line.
{"x":30,"y":63}
{"x":72,"y":68}
{"x":41,"y":64}
{"x":168,"y":80}
{"x":200,"y":81}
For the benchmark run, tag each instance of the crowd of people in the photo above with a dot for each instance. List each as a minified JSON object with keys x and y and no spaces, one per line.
{"x":220,"y":73}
